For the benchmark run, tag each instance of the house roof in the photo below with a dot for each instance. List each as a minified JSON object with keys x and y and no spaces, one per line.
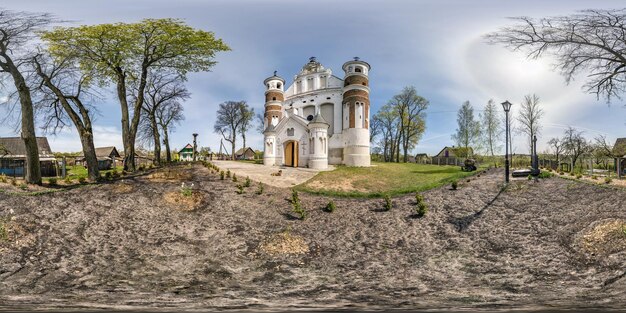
{"x":15,"y":146}
{"x":104,"y":152}
{"x":619,"y":148}
{"x":243,"y":150}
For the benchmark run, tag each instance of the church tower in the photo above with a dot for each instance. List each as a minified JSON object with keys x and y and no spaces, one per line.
{"x":274,"y":97}
{"x":356,"y":113}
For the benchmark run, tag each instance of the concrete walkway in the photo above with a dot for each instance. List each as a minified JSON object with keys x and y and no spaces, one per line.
{"x":257,"y":172}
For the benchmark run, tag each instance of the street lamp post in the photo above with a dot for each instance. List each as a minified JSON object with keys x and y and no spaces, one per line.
{"x":506,"y":105}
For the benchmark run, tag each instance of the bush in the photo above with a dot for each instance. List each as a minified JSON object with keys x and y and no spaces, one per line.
{"x":248,"y":182}
{"x":594,"y":177}
{"x":259,"y":191}
{"x":228,"y":173}
{"x":52,"y":181}
{"x":608,"y":180}
{"x":388,"y":204}
{"x":186,"y":190}
{"x":239,"y":188}
{"x":297,"y":206}
{"x":421,"y":208}
{"x":454,"y":185}
{"x":108,"y":175}
{"x":23,"y":186}
{"x":67,"y":180}
{"x":530,"y":177}
{"x":234,"y":178}
{"x":81,"y":180}
{"x":330,"y":207}
{"x":13,"y":182}
{"x":545,"y":175}
{"x":3,"y":178}
{"x":561,"y":173}
{"x":578,"y":176}
{"x":222,"y":175}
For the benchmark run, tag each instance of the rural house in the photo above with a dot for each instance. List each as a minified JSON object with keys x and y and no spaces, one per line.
{"x":619,"y":153}
{"x":448,"y":152}
{"x":245,"y":154}
{"x":13,"y":155}
{"x":107,"y":158}
{"x":186,"y":153}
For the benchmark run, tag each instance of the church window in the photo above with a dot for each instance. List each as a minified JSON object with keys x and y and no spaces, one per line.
{"x":274,"y":98}
{"x":278,"y":85}
{"x":290,"y":131}
{"x":358,"y":70}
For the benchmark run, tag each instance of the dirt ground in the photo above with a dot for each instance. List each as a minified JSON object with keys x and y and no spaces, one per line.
{"x":546,"y":244}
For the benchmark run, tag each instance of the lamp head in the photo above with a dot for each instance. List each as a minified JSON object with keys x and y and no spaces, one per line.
{"x":506,"y":105}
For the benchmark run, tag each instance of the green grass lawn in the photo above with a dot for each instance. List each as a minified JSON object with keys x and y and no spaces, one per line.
{"x":77,"y":171}
{"x":381,"y":179}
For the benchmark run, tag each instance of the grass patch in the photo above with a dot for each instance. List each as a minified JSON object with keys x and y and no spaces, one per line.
{"x":381,"y":179}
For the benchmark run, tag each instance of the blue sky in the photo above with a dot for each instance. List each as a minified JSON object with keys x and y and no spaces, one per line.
{"x":436,"y":46}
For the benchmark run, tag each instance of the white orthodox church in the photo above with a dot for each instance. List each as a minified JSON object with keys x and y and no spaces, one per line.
{"x":320,"y":119}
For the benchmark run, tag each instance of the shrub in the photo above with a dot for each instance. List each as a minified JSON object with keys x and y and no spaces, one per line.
{"x":594,"y":177}
{"x":186,"y":190}
{"x":578,"y":176}
{"x":259,"y":191}
{"x":388,"y":204}
{"x":52,"y":181}
{"x":234,"y":178}
{"x":421,"y":208}
{"x":419,"y":198}
{"x":454,"y":185}
{"x":3,"y":178}
{"x":81,"y":180}
{"x":222,"y":175}
{"x":571,"y":173}
{"x":108,"y":175}
{"x":608,"y":180}
{"x":67,"y":180}
{"x":23,"y":186}
{"x":228,"y":173}
{"x":330,"y":207}
{"x":545,"y":175}
{"x":141,"y":167}
{"x":530,"y":177}
{"x":248,"y":182}
{"x":561,"y":173}
{"x":239,"y":188}
{"x":13,"y":182}
{"x":297,"y":206}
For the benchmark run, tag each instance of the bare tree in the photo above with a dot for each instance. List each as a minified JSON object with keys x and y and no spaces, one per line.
{"x":162,"y":87}
{"x":260,"y":123}
{"x":491,"y":126}
{"x":17,"y":30}
{"x":228,"y":122}
{"x":410,"y":109}
{"x":529,"y":115}
{"x":64,"y":91}
{"x":557,"y":146}
{"x":247,"y":114}
{"x":468,"y":132}
{"x":603,"y":150}
{"x":168,"y":115}
{"x":575,"y":144}
{"x":589,"y":41}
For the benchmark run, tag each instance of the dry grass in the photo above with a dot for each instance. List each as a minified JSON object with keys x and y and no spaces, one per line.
{"x":284,"y":243}
{"x":171,"y":174}
{"x":13,"y":235}
{"x":606,"y":238}
{"x":183,"y":202}
{"x":122,"y":188}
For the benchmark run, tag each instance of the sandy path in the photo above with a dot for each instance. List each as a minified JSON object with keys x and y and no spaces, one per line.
{"x":290,"y":176}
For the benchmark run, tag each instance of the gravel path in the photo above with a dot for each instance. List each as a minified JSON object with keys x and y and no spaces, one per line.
{"x":121,"y":246}
{"x":290,"y":176}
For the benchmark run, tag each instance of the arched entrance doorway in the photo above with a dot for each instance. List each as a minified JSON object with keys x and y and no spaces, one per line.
{"x":291,"y":153}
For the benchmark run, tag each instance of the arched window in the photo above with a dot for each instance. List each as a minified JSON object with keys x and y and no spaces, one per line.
{"x":278,"y":85}
{"x":273,"y":98}
{"x":358,"y":70}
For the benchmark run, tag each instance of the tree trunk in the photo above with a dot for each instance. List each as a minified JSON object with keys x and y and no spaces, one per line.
{"x":166,"y":143}
{"x":86,"y":139}
{"x":232,"y":147}
{"x":129,"y":147}
{"x":32,"y":166}
{"x":243,"y":135}
{"x":157,"y":140}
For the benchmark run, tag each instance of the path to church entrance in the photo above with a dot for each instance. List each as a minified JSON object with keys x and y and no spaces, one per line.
{"x":261,"y":173}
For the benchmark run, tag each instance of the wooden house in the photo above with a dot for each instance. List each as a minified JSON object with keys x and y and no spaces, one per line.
{"x":186,"y":153}
{"x":245,"y":153}
{"x":13,"y":156}
{"x":448,"y":152}
{"x":108,"y":158}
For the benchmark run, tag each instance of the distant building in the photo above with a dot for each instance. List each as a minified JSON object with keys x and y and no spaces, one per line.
{"x":108,"y":158}
{"x":186,"y":154}
{"x":12,"y":159}
{"x":619,"y":153}
{"x":448,"y":152}
{"x":245,"y":154}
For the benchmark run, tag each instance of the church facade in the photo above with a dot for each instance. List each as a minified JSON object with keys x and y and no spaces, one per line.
{"x":319,"y":119}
